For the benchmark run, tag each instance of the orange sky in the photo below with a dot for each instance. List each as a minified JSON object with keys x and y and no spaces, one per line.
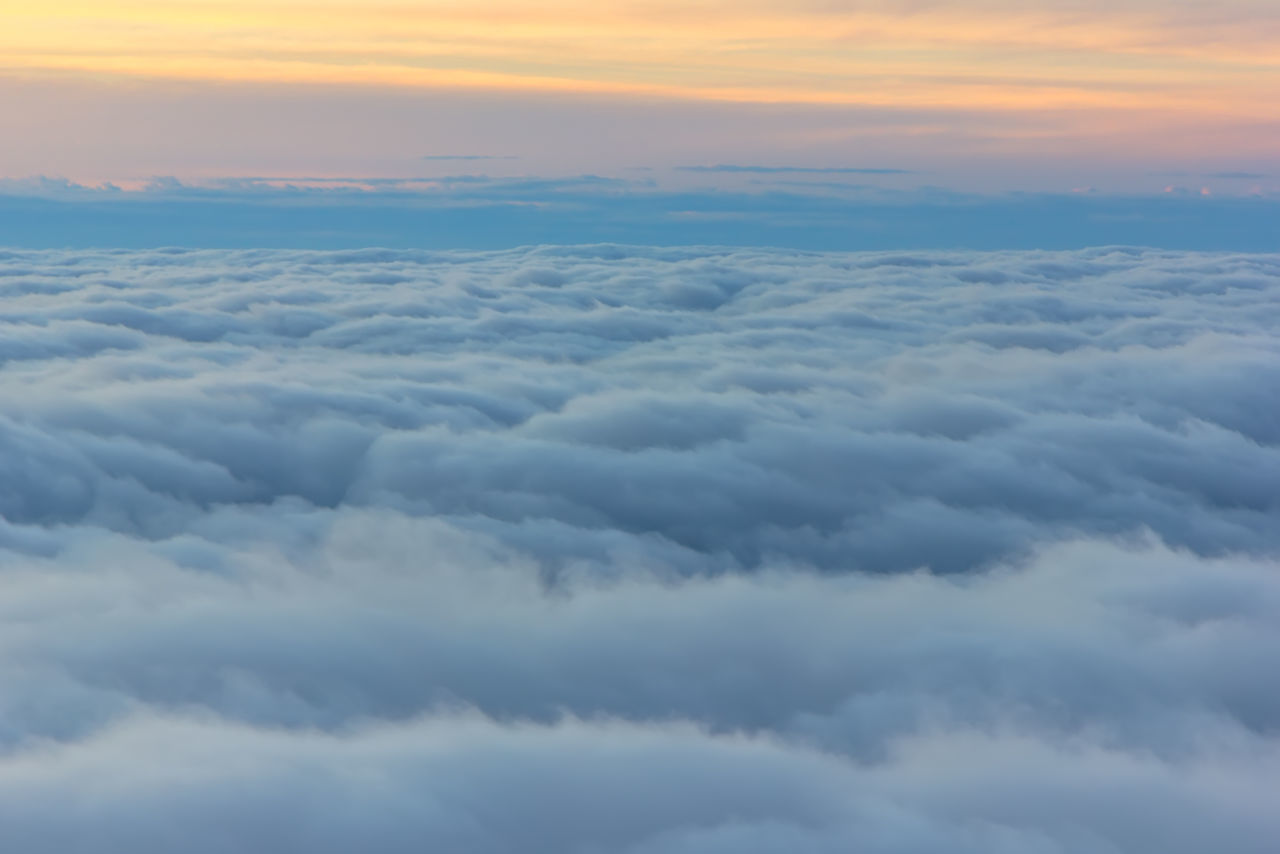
{"x":982,"y":55}
{"x":1131,"y":72}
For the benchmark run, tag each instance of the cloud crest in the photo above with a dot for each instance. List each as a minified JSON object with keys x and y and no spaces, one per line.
{"x":608,"y":548}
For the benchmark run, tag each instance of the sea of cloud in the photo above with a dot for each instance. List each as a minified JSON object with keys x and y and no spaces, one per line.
{"x":613,"y":549}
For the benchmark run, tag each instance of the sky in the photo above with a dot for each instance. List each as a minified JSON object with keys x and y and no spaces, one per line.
{"x":977,"y":97}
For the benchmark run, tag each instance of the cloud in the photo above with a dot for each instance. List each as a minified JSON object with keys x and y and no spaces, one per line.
{"x":1245,"y":176}
{"x":406,"y":681}
{"x":490,"y":212}
{"x":469,"y":157}
{"x":1230,"y":175}
{"x":816,"y":170}
{"x":621,"y":549}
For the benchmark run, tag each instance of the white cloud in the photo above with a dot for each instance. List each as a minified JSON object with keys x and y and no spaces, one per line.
{"x":614,"y":549}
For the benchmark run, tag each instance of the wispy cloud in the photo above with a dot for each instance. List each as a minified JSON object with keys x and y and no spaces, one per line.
{"x":1241,"y":176}
{"x":942,"y":54}
{"x":1225,"y":175}
{"x":470,"y":157}
{"x":813,"y":170}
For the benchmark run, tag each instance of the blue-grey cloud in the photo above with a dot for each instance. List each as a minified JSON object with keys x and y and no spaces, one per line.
{"x":488,"y":212}
{"x":620,"y":549}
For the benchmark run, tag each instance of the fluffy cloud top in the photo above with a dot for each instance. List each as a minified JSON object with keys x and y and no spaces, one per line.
{"x":606,"y":549}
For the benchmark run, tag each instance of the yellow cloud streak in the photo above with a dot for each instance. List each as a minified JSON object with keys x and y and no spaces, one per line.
{"x":1012,"y":60}
{"x":951,"y":96}
{"x":707,"y":25}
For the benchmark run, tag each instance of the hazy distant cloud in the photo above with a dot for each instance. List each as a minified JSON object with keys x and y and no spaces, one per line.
{"x":53,"y":187}
{"x":1228,"y":175}
{"x":480,"y":211}
{"x":1243,"y":176}
{"x":470,"y":157}
{"x":623,"y":549}
{"x":815,"y":170}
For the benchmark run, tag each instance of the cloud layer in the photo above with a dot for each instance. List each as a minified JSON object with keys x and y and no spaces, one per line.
{"x":783,"y":208}
{"x":649,"y":550}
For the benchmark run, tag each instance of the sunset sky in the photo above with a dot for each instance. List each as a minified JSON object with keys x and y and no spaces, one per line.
{"x":978,"y":95}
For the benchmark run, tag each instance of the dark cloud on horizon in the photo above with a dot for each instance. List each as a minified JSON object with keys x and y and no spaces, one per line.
{"x":615,"y":549}
{"x":489,"y":212}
